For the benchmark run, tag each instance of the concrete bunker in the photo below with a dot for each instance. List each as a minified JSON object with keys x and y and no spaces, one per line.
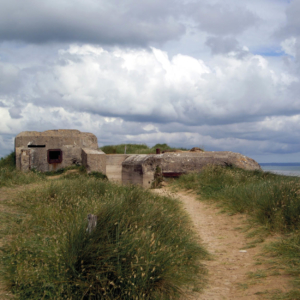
{"x":141,"y":169}
{"x":55,"y":149}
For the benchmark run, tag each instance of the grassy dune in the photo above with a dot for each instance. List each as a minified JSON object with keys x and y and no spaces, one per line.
{"x":271,"y":200}
{"x":142,"y":248}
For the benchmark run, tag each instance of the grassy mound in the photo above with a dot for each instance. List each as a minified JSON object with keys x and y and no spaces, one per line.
{"x":9,"y":176}
{"x":273,"y":200}
{"x":142,"y":247}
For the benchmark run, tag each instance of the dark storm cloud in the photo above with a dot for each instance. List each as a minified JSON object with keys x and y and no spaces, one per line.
{"x":115,"y":22}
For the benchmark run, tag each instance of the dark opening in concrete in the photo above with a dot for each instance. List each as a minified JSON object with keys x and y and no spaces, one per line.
{"x":54,"y":156}
{"x":36,"y":146}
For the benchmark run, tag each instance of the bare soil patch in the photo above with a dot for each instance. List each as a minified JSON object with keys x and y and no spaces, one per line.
{"x":236,"y":272}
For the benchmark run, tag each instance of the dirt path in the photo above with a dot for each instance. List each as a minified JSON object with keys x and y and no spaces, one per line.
{"x":231,"y":265}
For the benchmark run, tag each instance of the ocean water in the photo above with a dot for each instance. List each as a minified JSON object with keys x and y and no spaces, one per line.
{"x":288,"y":169}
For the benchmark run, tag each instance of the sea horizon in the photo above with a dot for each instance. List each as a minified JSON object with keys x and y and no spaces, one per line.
{"x":287,"y":169}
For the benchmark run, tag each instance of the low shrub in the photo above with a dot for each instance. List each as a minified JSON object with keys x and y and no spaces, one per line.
{"x":130,"y":149}
{"x":142,"y":247}
{"x":136,"y":148}
{"x":8,"y":161}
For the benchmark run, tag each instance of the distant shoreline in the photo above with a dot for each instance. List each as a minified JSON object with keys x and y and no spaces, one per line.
{"x":281,"y":164}
{"x":287,"y":169}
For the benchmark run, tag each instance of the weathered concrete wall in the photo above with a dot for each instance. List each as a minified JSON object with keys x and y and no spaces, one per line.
{"x":94,"y":160}
{"x":140,"y":169}
{"x":25,"y":158}
{"x":194,"y":161}
{"x":70,"y":142}
{"x":114,"y":166}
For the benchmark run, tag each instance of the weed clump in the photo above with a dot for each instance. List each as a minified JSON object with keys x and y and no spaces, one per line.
{"x":141,"y":248}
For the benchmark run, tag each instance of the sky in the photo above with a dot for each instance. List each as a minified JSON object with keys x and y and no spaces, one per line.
{"x":222,"y":75}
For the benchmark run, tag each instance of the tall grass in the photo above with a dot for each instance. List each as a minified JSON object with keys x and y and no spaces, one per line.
{"x":9,"y":176}
{"x":135,"y":148}
{"x":286,"y":254}
{"x":273,"y":200}
{"x":142,"y":247}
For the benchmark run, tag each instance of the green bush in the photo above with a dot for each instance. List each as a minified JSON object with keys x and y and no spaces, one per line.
{"x":136,"y":149}
{"x":9,"y":161}
{"x":130,"y":149}
{"x":142,"y":247}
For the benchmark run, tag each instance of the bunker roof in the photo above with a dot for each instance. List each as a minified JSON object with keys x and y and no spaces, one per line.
{"x":56,"y":132}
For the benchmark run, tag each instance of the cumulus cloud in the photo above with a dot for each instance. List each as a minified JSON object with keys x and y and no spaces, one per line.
{"x":99,"y":66}
{"x":148,"y":86}
{"x":222,"y":18}
{"x":15,"y":112}
{"x":9,"y":78}
{"x":226,"y":45}
{"x":292,"y":26}
{"x":129,"y":95}
{"x":289,"y":46}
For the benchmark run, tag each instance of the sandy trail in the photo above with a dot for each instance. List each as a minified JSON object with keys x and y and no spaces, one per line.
{"x":228,"y":271}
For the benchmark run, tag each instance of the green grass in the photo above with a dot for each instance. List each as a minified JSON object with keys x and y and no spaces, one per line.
{"x":142,"y":248}
{"x":136,"y":148}
{"x":273,"y":201}
{"x":9,"y":176}
{"x":286,"y":253}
